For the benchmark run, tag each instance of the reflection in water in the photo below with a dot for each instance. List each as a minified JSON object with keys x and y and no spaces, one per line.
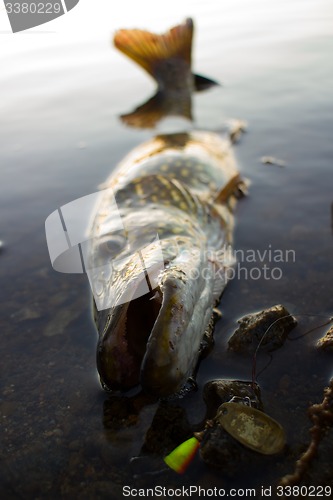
{"x":161,"y":430}
{"x":123,"y":411}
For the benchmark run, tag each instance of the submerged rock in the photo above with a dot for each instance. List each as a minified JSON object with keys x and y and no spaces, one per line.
{"x":271,"y":160}
{"x":218,"y":449}
{"x":221,"y":391}
{"x":231,"y":451}
{"x":269,"y":327}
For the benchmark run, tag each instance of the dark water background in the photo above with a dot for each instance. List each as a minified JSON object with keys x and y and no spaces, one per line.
{"x":60,"y":137}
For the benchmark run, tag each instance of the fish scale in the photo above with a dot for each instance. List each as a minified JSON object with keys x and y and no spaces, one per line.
{"x":158,"y":191}
{"x":199,"y":175}
{"x":154,"y":338}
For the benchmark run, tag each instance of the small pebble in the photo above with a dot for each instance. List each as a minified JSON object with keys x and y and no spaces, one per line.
{"x":271,"y":160}
{"x":326,"y":342}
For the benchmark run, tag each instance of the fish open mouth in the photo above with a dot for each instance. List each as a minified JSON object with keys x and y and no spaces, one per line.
{"x":154,"y":340}
{"x":122,"y":346}
{"x":141,"y":317}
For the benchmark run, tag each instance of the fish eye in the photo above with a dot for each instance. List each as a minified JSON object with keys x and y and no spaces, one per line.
{"x":114,"y":245}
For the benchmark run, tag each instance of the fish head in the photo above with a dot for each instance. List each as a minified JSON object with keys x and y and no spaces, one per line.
{"x":153,"y":333}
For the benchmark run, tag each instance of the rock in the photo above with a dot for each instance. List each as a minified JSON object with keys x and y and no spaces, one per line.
{"x":221,"y":391}
{"x":269,"y":327}
{"x":326,"y":342}
{"x":218,"y":448}
{"x":271,"y":160}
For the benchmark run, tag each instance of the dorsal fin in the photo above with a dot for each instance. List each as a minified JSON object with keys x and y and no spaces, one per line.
{"x":147,"y":48}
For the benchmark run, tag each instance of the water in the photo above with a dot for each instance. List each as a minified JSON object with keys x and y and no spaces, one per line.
{"x":60,"y":137}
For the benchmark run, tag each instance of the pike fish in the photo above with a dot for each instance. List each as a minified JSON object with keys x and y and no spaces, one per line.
{"x":158,"y":261}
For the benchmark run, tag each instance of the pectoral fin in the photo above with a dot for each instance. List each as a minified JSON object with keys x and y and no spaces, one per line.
{"x":231,"y":188}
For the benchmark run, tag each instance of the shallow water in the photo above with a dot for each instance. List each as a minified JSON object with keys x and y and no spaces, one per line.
{"x":60,"y":137}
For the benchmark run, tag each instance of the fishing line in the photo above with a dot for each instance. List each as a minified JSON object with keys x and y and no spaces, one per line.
{"x":254,"y":365}
{"x":311,"y":330}
{"x":266,"y":366}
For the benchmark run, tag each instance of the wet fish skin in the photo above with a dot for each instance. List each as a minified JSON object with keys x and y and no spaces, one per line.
{"x":168,"y":187}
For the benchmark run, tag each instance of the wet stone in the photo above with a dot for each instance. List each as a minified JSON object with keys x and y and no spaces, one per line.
{"x":221,"y":391}
{"x":271,"y":160}
{"x":221,"y":451}
{"x":218,"y":448}
{"x":269,"y":327}
{"x":326,"y":342}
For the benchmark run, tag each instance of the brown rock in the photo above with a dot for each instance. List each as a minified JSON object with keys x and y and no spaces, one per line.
{"x":269,"y":328}
{"x":326,"y":342}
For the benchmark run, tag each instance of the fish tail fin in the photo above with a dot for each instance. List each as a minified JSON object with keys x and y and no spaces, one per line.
{"x":148,"y":49}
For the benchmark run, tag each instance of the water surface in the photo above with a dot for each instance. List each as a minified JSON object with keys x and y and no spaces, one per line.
{"x":61,"y":94}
